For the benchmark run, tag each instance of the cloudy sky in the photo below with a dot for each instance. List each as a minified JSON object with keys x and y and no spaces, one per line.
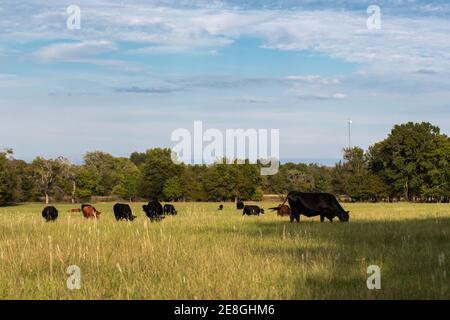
{"x":137,"y":70}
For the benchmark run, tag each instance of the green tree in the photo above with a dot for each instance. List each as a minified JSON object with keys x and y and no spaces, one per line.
{"x":437,"y":177}
{"x":156,"y":170}
{"x":403,"y":158}
{"x":220,"y":182}
{"x":193,"y":179}
{"x":129,"y":180}
{"x":247,"y":180}
{"x":321,"y":178}
{"x":88,"y":182}
{"x":173,"y":189}
{"x":108,"y":167}
{"x":49,"y":175}
{"x":138,"y":158}
{"x":27,"y":190}
{"x":9,"y":182}
{"x":357,"y":180}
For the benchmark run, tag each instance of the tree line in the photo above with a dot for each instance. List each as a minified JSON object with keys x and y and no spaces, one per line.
{"x":412,"y":163}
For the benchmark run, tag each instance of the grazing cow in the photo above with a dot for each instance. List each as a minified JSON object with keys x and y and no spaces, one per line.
{"x":50,"y":213}
{"x":240,"y":205}
{"x":90,"y":211}
{"x":169,"y":209}
{"x":77,"y":210}
{"x":252,"y":210}
{"x":309,"y":204}
{"x":282,"y":210}
{"x":153,"y":210}
{"x":220,"y":207}
{"x":123,"y":212}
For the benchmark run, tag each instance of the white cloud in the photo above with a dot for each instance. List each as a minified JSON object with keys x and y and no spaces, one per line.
{"x":322,"y":96}
{"x":409,"y":56}
{"x":74,"y":51}
{"x":403,"y":43}
{"x":313,"y":79}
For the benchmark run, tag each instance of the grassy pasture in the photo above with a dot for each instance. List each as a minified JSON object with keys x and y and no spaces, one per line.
{"x":207,"y":254}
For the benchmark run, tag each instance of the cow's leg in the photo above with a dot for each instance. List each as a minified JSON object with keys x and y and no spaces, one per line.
{"x":322,"y":218}
{"x":330,"y":218}
{"x":292,"y":217}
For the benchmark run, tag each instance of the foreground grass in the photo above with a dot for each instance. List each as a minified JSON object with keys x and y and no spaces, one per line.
{"x":207,"y":254}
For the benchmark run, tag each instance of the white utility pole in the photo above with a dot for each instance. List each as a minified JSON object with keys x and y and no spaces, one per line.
{"x":349,"y":121}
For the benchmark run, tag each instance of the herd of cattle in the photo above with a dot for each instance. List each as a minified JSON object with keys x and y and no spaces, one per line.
{"x":324,"y":205}
{"x":154,"y":210}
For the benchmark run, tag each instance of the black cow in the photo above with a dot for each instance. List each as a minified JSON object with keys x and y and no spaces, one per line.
{"x":240,"y":205}
{"x":309,"y":204}
{"x":50,"y":213}
{"x":123,"y":212}
{"x":220,"y":207}
{"x":252,"y":210}
{"x":170,"y":209}
{"x":154,"y":210}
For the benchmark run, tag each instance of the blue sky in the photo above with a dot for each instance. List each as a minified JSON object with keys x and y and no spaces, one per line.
{"x":134,"y":72}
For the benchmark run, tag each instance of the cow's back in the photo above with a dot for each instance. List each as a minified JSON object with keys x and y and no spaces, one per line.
{"x":50,"y":213}
{"x":284,"y":211}
{"x":89,"y":211}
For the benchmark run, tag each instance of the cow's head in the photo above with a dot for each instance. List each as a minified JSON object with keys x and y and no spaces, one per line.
{"x":145,"y":208}
{"x":344,"y":216}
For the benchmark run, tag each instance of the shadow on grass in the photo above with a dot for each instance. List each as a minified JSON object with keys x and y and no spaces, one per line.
{"x":332,"y":259}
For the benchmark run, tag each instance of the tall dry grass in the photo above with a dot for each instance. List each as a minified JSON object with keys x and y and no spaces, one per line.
{"x":203,"y":253}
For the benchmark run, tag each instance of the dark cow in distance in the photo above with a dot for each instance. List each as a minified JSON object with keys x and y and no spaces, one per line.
{"x":169,"y":209}
{"x":282,"y":210}
{"x":153,"y":210}
{"x":252,"y":210}
{"x":240,"y":205}
{"x":90,"y":211}
{"x":311,"y":204}
{"x":50,"y":213}
{"x":123,"y":212}
{"x":220,"y":207}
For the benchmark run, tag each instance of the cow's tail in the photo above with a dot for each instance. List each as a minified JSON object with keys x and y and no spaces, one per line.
{"x":284,"y":201}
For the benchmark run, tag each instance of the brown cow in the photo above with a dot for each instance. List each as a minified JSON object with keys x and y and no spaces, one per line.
{"x":74,"y":210}
{"x":90,"y":211}
{"x":282,"y":210}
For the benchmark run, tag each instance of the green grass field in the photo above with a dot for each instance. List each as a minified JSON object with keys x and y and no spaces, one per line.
{"x":206,"y":254}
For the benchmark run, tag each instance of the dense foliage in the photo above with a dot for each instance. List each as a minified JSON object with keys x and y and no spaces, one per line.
{"x":412,"y":163}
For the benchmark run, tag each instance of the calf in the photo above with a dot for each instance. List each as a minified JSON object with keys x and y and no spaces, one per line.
{"x":240,"y":205}
{"x":153,"y":210}
{"x":123,"y":212}
{"x":282,"y":210}
{"x":252,"y":210}
{"x":90,"y":211}
{"x":169,"y":209}
{"x":50,"y":213}
{"x":220,"y":207}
